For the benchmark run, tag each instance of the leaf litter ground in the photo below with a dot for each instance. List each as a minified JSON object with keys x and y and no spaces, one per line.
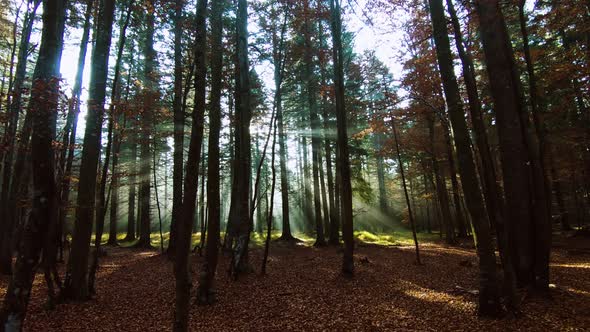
{"x":303,"y":291}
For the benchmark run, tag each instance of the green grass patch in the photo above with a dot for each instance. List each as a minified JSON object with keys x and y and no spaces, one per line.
{"x":396,"y":238}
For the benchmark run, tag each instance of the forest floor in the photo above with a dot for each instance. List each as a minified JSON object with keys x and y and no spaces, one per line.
{"x":303,"y":291}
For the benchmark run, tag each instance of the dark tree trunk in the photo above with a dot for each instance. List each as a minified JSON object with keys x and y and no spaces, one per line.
{"x":76,"y":277}
{"x":178,"y":128}
{"x":131,"y":215}
{"x":410,"y":214}
{"x":286,"y":231}
{"x":489,"y":303}
{"x":191,"y":185}
{"x":205,"y":291}
{"x":9,"y":145}
{"x":377,"y":142}
{"x":530,"y":232}
{"x":307,"y":197}
{"x":461,"y":223}
{"x":240,"y":223}
{"x":69,"y":139}
{"x":115,"y":114}
{"x":272,"y":195}
{"x":314,"y":124}
{"x":332,"y":229}
{"x":557,"y":187}
{"x":39,"y":229}
{"x":441,"y":190}
{"x":342,"y":155}
{"x":492,"y":192}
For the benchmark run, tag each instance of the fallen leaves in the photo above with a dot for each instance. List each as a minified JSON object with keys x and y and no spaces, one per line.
{"x":303,"y":291}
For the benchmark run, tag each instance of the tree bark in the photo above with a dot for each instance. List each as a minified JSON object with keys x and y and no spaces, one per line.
{"x":314,"y":125}
{"x":9,"y":144}
{"x":410,"y":214}
{"x":77,"y":272}
{"x":342,"y":152}
{"x":150,"y":100}
{"x":178,"y":128}
{"x":39,"y":229}
{"x":489,"y":302}
{"x":191,"y":185}
{"x":205,"y":291}
{"x":241,"y":223}
{"x":530,"y":233}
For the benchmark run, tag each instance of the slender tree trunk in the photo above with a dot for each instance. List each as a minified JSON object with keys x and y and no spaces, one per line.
{"x":492,"y":192}
{"x":115,"y":118}
{"x":242,"y":223}
{"x":9,"y":144}
{"x":314,"y":124}
{"x":441,"y":190}
{"x":205,"y":291}
{"x":536,"y":107}
{"x":191,"y":185}
{"x":286,"y":231}
{"x":530,"y":233}
{"x":401,"y":169}
{"x":343,"y":161}
{"x":154,"y":173}
{"x":76,"y":277}
{"x":489,"y":303}
{"x":131,"y":215}
{"x":461,"y":223}
{"x":272,"y":196}
{"x":178,"y":127}
{"x":557,"y":187}
{"x":150,"y":100}
{"x":39,"y":229}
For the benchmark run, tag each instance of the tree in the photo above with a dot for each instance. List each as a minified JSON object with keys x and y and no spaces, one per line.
{"x":150,"y":96}
{"x":529,"y":233}
{"x":489,"y":304}
{"x":343,"y":163}
{"x":76,"y":283}
{"x":239,"y":225}
{"x":205,"y":293}
{"x":178,"y":127}
{"x":191,"y":185}
{"x":40,"y":227}
{"x":8,"y":192}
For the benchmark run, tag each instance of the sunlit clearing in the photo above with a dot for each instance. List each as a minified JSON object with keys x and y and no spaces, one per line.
{"x":573,"y":265}
{"x":429,"y":295}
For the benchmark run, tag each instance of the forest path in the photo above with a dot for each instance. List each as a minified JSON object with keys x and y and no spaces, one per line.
{"x":303,"y":291}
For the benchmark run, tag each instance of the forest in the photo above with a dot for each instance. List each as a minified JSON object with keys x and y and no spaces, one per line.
{"x":299,"y":165}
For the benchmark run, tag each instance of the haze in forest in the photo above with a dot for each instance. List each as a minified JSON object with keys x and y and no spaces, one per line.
{"x":294,"y":165}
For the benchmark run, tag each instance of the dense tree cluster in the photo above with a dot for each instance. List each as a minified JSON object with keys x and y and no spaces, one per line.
{"x":226,"y":118}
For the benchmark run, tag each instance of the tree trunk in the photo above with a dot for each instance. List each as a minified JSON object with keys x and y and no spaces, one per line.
{"x":115,"y":114}
{"x":461,"y":223}
{"x":286,"y":229}
{"x":131,"y":215}
{"x":241,"y":223}
{"x":314,"y":125}
{"x":9,"y":144}
{"x":178,"y":128}
{"x":530,"y":233}
{"x":441,"y":190}
{"x":191,"y":185}
{"x":150,"y":101}
{"x":410,"y":214}
{"x":39,"y":228}
{"x":76,"y":277}
{"x":492,"y":192}
{"x":489,"y":303}
{"x":205,"y":291}
{"x":343,"y":161}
